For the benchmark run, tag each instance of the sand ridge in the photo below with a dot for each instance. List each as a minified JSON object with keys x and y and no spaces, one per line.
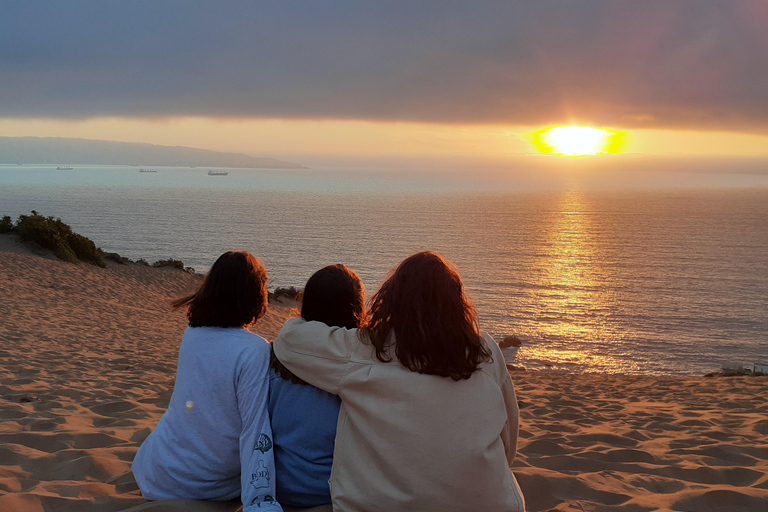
{"x":87,"y":363}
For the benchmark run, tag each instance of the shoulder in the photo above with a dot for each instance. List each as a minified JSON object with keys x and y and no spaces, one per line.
{"x":496,"y":368}
{"x":226,"y":340}
{"x":252,"y":344}
{"x":249,"y":337}
{"x":299,"y":395}
{"x":493,"y":347}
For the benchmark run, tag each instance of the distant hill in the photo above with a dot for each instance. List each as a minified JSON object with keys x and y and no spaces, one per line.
{"x":58,"y":151}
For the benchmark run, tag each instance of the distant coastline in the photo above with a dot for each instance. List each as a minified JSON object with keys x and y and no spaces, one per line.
{"x":58,"y":151}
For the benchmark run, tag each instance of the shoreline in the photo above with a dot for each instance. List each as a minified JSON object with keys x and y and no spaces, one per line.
{"x":89,"y":358}
{"x":10,"y":242}
{"x":615,"y":323}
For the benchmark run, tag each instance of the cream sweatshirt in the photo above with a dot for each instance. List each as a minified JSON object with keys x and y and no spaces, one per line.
{"x":407,"y":441}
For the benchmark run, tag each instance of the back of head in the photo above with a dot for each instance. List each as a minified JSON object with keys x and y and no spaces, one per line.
{"x":335,"y":296}
{"x":422,"y":303}
{"x":233,"y":294}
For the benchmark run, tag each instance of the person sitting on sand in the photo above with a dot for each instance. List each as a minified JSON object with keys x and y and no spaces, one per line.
{"x":215,"y":442}
{"x":304,"y":417}
{"x":429,"y":419}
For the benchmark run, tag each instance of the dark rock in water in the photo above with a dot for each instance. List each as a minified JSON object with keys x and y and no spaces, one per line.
{"x":510,"y":341}
{"x":515,"y":368}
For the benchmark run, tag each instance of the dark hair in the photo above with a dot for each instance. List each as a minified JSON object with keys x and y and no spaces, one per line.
{"x":333,"y":295}
{"x":233,"y":294}
{"x":422,"y":303}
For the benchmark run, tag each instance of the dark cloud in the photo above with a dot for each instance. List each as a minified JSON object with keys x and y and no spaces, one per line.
{"x":655,"y":63}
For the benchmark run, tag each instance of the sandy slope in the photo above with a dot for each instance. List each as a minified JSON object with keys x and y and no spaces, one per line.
{"x":88,"y":358}
{"x":606,"y":443}
{"x":87,"y":361}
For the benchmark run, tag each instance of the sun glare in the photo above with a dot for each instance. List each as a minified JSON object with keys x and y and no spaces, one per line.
{"x":577,"y":140}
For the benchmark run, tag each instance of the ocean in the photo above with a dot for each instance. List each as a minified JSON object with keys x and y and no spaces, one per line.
{"x":636,"y":273}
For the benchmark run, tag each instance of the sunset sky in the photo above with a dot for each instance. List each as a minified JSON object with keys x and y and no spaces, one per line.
{"x":399,"y":78}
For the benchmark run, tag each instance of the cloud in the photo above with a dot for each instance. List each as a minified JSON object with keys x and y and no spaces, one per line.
{"x":700,"y":64}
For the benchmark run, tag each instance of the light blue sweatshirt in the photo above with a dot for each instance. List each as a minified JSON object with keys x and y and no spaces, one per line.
{"x":304,"y":426}
{"x":214,"y":442}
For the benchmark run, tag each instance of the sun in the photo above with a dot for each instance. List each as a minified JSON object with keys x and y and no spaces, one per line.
{"x":577,"y":140}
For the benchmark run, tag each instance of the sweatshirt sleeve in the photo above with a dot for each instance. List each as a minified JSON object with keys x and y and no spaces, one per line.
{"x":257,"y":460}
{"x":315,"y":352}
{"x":510,"y":431}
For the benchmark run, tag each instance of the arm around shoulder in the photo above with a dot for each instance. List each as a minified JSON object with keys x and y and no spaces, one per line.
{"x":316,"y":352}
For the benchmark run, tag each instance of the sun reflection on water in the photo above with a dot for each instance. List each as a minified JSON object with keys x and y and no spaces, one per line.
{"x":571,"y":305}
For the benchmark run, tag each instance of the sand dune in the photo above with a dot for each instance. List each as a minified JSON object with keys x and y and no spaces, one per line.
{"x":88,"y":357}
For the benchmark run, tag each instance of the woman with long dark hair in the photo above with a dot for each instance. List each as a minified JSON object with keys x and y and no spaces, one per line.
{"x":429,"y":418}
{"x":214,"y":442}
{"x":304,"y":417}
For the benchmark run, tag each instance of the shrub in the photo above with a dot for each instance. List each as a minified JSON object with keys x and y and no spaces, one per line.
{"x":49,"y":233}
{"x":85,"y":249}
{"x":113,"y":256}
{"x":56,"y":236}
{"x":287,"y":291}
{"x":6,"y":224}
{"x":64,"y":252}
{"x":169,"y":263}
{"x":282,"y":292}
{"x":291,"y":292}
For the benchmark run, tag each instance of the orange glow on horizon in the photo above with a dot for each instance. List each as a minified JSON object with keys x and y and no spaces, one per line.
{"x":419,"y":142}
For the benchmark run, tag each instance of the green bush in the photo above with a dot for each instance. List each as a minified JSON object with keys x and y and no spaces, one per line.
{"x":47,"y":232}
{"x":85,"y":249}
{"x":6,"y":224}
{"x":64,"y":252}
{"x":56,"y":236}
{"x":169,"y":263}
